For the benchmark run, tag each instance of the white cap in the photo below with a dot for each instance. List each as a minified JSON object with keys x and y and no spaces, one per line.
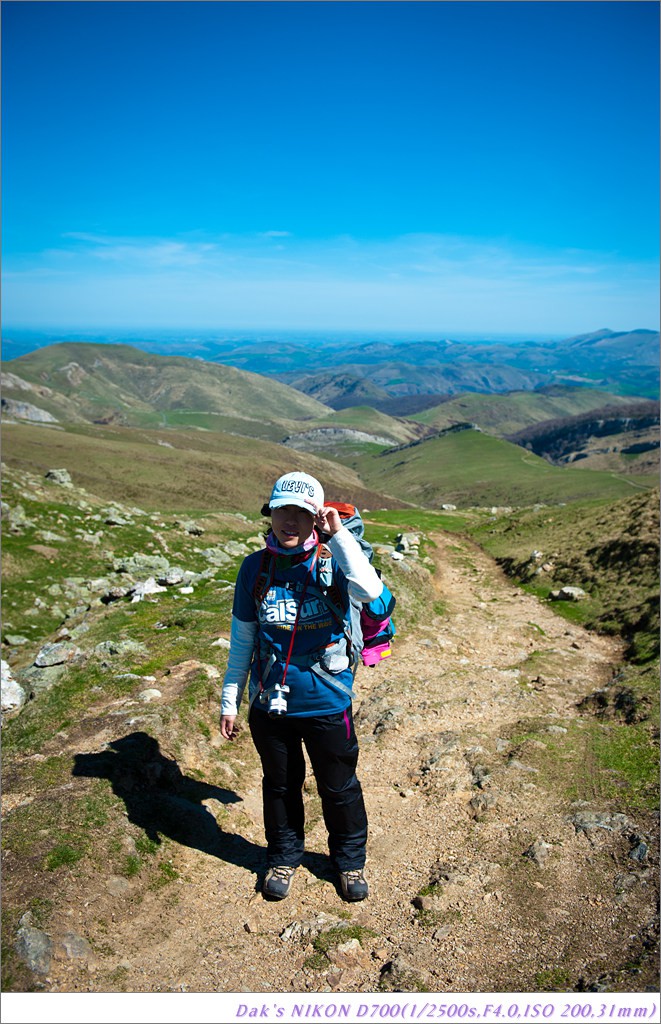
{"x":297,"y":489}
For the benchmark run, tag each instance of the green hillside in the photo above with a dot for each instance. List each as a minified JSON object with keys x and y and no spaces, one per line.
{"x":506,"y":414}
{"x":365,"y":418}
{"x":468,"y":467}
{"x":183,"y":470}
{"x":78,"y":381}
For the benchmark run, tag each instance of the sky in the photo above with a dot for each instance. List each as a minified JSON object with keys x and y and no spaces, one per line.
{"x":458,"y":166}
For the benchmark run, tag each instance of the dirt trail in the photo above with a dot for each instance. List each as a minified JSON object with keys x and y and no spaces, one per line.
{"x":452,"y":797}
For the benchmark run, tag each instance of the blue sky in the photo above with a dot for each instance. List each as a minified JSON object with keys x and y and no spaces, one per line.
{"x":448,"y":166}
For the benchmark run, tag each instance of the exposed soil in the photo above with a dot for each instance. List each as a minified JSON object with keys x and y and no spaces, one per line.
{"x":455,"y":800}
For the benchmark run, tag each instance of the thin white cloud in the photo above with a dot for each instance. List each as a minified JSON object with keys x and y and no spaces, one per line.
{"x":414,"y":281}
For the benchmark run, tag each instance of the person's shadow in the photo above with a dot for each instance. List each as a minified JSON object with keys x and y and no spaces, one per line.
{"x":164,"y":802}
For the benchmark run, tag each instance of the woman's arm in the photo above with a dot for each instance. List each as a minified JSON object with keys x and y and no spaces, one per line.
{"x":242,"y":643}
{"x":362,"y":577}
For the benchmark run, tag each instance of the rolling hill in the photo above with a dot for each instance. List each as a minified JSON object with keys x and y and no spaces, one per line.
{"x":464,"y":466}
{"x":503,"y":415}
{"x":182,"y":431}
{"x":79,"y":382}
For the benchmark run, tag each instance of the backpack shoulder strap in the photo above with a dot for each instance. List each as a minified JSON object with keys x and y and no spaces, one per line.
{"x":264,"y":578}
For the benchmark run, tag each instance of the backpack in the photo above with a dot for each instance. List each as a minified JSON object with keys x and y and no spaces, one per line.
{"x":374,"y":628}
{"x":368,"y":628}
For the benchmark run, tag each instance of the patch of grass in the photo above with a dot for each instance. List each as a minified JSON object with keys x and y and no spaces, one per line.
{"x":316,"y":962}
{"x":132,"y":865}
{"x":611,"y":762}
{"x":166,"y":874}
{"x":628,"y":762}
{"x":328,"y":940}
{"x":63,"y":854}
{"x":554,"y":979}
{"x":146,"y":846}
{"x":333,"y":937}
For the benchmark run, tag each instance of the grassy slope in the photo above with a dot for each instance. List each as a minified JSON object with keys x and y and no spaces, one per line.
{"x":369,"y":420}
{"x":472,"y":468}
{"x":505,"y":414}
{"x":143,"y":387}
{"x":200,"y":470}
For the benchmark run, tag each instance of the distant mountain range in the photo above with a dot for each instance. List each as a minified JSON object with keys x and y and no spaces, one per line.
{"x":387,"y":374}
{"x":188,"y":419}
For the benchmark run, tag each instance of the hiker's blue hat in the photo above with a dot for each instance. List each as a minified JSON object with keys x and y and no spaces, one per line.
{"x":297,"y":489}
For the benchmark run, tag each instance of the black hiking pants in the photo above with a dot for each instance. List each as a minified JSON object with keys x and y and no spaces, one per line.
{"x":332,"y":746}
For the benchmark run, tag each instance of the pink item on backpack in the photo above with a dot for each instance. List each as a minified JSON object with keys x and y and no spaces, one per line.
{"x":371,"y":656}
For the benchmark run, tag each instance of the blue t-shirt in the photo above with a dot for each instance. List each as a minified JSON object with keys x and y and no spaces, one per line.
{"x":293,"y":587}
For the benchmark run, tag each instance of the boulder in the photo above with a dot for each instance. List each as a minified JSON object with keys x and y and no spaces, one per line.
{"x":61,"y":477}
{"x":568,"y":594}
{"x":13,"y":695}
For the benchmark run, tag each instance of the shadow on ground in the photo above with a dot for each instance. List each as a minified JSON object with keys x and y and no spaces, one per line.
{"x":163,"y":801}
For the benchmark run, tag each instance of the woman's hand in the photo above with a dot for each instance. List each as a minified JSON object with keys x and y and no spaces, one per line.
{"x":328,"y":520}
{"x":227,"y":728}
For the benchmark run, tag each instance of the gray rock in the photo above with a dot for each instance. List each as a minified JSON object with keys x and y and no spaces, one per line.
{"x":57,"y":654}
{"x":37,"y":680}
{"x":114,"y":648}
{"x":49,"y":537}
{"x":76,"y":947}
{"x":33,"y":946}
{"x":216,"y":556}
{"x":190,"y":527}
{"x":142,"y":566}
{"x":150,"y":694}
{"x":16,"y":640}
{"x":118,"y":886}
{"x":519,"y":766}
{"x":585,"y":821}
{"x":481,"y":775}
{"x":60,"y":477}
{"x":538,"y":852}
{"x":481,"y":803}
{"x":398,"y":976}
{"x":173,"y":577}
{"x":236,"y":549}
{"x":639,"y":852}
{"x":114,"y":518}
{"x":17,"y":519}
{"x":25,"y":411}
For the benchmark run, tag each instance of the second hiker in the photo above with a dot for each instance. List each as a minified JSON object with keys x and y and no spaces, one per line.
{"x":290,"y":634}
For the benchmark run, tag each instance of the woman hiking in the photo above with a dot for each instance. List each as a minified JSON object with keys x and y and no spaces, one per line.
{"x":291,"y":605}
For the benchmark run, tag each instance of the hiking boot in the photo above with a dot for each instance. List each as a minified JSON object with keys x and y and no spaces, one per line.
{"x":354,"y":886}
{"x":278,"y":882}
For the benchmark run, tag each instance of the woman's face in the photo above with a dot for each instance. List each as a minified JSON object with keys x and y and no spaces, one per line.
{"x":291,"y":524}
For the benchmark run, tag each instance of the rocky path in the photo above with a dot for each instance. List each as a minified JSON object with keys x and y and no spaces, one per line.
{"x":479,"y":882}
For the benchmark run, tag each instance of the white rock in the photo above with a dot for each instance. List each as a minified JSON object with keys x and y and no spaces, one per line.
{"x":13,"y":695}
{"x":151,"y":694}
